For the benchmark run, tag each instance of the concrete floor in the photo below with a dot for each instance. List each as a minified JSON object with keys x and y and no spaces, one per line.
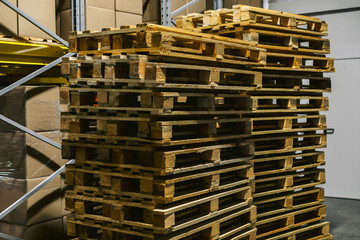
{"x":344,"y":217}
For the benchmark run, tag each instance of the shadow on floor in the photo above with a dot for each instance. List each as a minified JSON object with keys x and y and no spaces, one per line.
{"x":344,"y":217}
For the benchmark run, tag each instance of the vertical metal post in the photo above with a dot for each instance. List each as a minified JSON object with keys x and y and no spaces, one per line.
{"x":218,"y":4}
{"x":82,"y":15}
{"x":78,"y":14}
{"x":73,"y":14}
{"x":165,"y":12}
{"x":266,"y":4}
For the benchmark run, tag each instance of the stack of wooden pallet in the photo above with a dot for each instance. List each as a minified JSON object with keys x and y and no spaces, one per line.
{"x":154,"y":126}
{"x":289,"y":205}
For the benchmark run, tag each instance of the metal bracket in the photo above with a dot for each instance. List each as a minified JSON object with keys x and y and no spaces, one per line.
{"x":329,"y":131}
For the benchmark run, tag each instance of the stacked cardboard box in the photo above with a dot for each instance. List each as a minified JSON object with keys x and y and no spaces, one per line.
{"x":287,"y":163}
{"x":42,"y":11}
{"x":99,"y":14}
{"x":26,"y":161}
{"x":56,"y":15}
{"x":93,"y":10}
{"x":128,"y":12}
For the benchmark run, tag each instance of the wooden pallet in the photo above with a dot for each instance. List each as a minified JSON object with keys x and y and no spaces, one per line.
{"x":161,"y":189}
{"x":237,"y":225}
{"x":166,"y":42}
{"x":279,"y":223}
{"x":267,"y":186}
{"x":147,"y":71}
{"x":286,"y":163}
{"x":292,"y":62}
{"x":160,"y":219}
{"x":282,"y":203}
{"x":134,"y":102}
{"x":310,"y":82}
{"x":316,"y":231}
{"x":288,"y":143}
{"x":158,"y":161}
{"x":160,"y":133}
{"x":274,"y":125}
{"x":272,"y":104}
{"x":143,"y":71}
{"x":242,"y":15}
{"x":276,"y":41}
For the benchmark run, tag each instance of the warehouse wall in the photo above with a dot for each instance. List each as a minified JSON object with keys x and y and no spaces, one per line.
{"x":343,"y":152}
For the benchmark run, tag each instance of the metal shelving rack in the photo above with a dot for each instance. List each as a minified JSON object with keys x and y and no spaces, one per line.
{"x":78,"y":13}
{"x":78,"y":25}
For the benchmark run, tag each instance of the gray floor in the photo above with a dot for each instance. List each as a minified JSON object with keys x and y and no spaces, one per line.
{"x":344,"y":217}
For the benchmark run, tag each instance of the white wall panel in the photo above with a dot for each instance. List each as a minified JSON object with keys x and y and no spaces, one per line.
{"x":343,"y":152}
{"x":308,"y":6}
